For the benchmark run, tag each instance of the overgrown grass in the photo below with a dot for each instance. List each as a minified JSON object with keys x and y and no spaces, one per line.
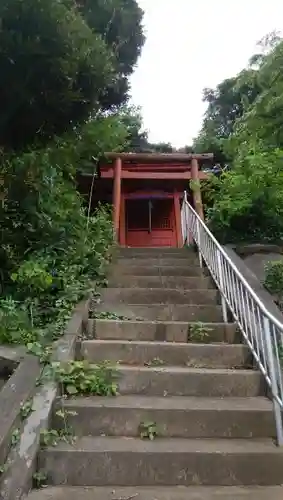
{"x":42,"y":291}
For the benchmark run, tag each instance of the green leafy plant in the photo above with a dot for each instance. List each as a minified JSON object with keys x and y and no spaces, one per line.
{"x":33,"y":276}
{"x":15,"y":437}
{"x":80,"y":377}
{"x":38,"y":349}
{"x":52,"y":437}
{"x":39,"y":479}
{"x":280,"y":353}
{"x":15,"y":325}
{"x":62,"y":415}
{"x":194,"y":185}
{"x":26,"y":409}
{"x":274,"y":280}
{"x":155,"y":362}
{"x":148,"y":430}
{"x":198,"y":332}
{"x":108,"y":315}
{"x":3,"y":468}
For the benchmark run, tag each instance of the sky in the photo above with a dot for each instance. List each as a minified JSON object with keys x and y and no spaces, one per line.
{"x":193,"y":44}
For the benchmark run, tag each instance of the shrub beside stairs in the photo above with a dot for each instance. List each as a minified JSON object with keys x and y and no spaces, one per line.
{"x":192,"y":420}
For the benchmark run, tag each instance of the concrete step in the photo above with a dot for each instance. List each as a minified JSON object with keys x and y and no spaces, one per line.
{"x":174,"y":282}
{"x":180,"y":417}
{"x":167,"y":353}
{"x":155,"y":251}
{"x":185,"y":256}
{"x":183,"y":381}
{"x":190,"y":260}
{"x":157,"y":312}
{"x":158,"y":296}
{"x":148,"y":270}
{"x":104,"y":461}
{"x":174,"y":256}
{"x":161,"y":331}
{"x":159,"y":493}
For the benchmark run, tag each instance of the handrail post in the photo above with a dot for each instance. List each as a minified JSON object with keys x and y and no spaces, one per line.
{"x":221,"y":283}
{"x":198,"y":243}
{"x":273,"y":380}
{"x":186,"y":218}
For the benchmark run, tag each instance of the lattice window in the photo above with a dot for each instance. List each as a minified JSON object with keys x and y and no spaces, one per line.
{"x":162,"y":223}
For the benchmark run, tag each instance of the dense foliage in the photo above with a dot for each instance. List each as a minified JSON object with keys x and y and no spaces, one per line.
{"x":58,"y":64}
{"x":274,"y":280}
{"x":244,"y":118}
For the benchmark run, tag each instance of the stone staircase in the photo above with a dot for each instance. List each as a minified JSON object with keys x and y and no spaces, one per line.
{"x":192,"y":383}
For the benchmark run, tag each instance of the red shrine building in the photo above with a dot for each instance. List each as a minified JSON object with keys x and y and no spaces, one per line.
{"x":146,"y":191}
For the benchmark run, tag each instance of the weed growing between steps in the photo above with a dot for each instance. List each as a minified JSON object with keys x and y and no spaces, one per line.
{"x":155,"y":362}
{"x":198,"y":333}
{"x":39,"y":479}
{"x":82,"y":378}
{"x":76,"y":378}
{"x":111,"y":316}
{"x":52,"y":437}
{"x":148,"y":430}
{"x":26,"y":409}
{"x":107,"y":315}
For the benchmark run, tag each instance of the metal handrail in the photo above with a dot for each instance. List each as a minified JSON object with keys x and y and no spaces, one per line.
{"x":262,"y":332}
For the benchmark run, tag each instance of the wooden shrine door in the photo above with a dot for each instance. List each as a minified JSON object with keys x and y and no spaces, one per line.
{"x":150,"y":223}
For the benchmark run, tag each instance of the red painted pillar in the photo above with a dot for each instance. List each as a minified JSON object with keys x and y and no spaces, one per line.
{"x":196,"y":188}
{"x":122,"y":239}
{"x":117,"y":196}
{"x":177,"y":210}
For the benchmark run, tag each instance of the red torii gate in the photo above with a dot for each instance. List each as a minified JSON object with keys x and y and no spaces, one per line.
{"x":147,"y":189}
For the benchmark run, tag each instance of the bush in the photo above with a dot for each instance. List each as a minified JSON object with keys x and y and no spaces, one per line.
{"x":45,"y":287}
{"x":50,"y":250}
{"x":15,"y":324}
{"x":248,"y":203}
{"x":274,"y":280}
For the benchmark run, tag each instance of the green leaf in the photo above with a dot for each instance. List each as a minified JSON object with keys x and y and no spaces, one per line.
{"x":71,"y":389}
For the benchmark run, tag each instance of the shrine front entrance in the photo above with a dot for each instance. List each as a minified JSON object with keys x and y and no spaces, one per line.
{"x":150,"y":222}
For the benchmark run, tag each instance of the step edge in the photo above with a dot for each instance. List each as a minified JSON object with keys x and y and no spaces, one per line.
{"x":176,"y":345}
{"x":239,"y":446}
{"x":197,"y":403}
{"x":157,"y":322}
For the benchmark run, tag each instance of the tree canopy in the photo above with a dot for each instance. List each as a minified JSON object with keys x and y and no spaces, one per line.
{"x":61,"y":62}
{"x":120,"y":24}
{"x":249,"y":198}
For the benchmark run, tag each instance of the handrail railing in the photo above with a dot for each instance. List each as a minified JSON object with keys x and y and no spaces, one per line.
{"x":262,"y":332}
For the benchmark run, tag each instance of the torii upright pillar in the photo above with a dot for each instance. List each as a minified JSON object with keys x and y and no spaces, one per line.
{"x":117,"y":196}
